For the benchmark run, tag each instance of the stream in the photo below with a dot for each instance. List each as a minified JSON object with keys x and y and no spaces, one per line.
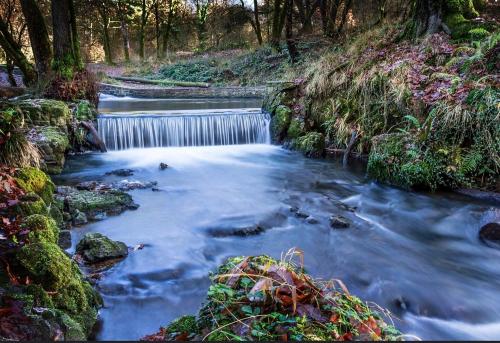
{"x":416,"y":254}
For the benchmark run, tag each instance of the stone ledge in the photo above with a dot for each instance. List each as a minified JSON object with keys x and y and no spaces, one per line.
{"x":183,"y":92}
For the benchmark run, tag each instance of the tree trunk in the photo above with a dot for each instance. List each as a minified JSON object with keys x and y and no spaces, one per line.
{"x":125,"y":39}
{"x":142,"y":29}
{"x":10,"y":72}
{"x":75,"y":40}
{"x":108,"y":54}
{"x":66,"y":60}
{"x":157,"y":29}
{"x":167,"y":27}
{"x":39,"y":37}
{"x":333,"y":17}
{"x":279,"y":13}
{"x":13,"y":51}
{"x":258,"y":31}
{"x":428,"y":16}
{"x":290,"y":42}
{"x":345,"y":12}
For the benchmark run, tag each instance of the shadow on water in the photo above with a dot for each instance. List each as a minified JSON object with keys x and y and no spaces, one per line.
{"x":417,"y":254}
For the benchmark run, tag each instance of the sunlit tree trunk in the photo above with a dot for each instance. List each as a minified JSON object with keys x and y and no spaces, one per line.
{"x":108,"y":53}
{"x":39,"y":37}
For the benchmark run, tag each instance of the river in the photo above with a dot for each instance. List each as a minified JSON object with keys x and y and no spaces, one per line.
{"x":416,"y":254}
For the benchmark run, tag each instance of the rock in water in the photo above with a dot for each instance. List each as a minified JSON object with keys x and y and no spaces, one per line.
{"x":95,"y":247}
{"x":490,"y":233}
{"x":339,"y":222}
{"x":64,"y":239}
{"x":79,"y":218}
{"x":121,"y":172}
{"x":163,"y":166}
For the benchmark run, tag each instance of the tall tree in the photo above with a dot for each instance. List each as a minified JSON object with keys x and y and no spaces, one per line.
{"x":66,"y":45}
{"x":142,"y":27}
{"x":39,"y":37}
{"x":171,"y":7}
{"x":278,"y":21}
{"x":290,"y":42}
{"x":201,"y":7}
{"x":14,"y":52}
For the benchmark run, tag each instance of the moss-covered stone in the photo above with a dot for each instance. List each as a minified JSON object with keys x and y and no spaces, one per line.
{"x":312,"y":144}
{"x":95,"y":247}
{"x":34,"y":180}
{"x":93,"y":202}
{"x":48,"y":266}
{"x":31,"y":203}
{"x":52,"y":143}
{"x":45,"y":112}
{"x":41,"y":229}
{"x":280,"y":122}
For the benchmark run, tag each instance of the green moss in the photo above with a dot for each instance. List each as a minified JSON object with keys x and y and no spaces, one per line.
{"x":42,"y":229}
{"x":280,"y":122}
{"x":312,"y":144}
{"x":90,"y":202}
{"x":183,"y":324}
{"x":45,"y":112}
{"x":478,"y":33}
{"x":95,"y":247}
{"x":85,"y":111}
{"x":295,"y":130}
{"x":48,"y":266}
{"x":31,"y":203}
{"x":32,"y":179}
{"x":39,"y":295}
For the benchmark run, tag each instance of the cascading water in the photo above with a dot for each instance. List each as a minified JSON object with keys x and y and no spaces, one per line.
{"x":196,"y":128}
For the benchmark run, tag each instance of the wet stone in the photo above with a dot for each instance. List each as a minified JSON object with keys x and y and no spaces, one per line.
{"x":64,"y":239}
{"x":163,"y":166}
{"x":240,"y":232}
{"x":121,"y":172}
{"x":339,"y":222}
{"x":490,"y":233}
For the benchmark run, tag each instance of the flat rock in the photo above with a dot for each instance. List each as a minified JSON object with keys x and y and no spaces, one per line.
{"x":95,"y":247}
{"x":121,"y":172}
{"x":339,"y":222}
{"x":240,"y":232}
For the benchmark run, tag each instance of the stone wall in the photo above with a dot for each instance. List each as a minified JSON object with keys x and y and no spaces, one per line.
{"x":184,"y":92}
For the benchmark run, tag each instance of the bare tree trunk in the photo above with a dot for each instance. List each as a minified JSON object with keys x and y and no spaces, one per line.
{"x":279,"y":13}
{"x":157,"y":29}
{"x":167,"y":27}
{"x":258,"y":30}
{"x":428,"y":16}
{"x":13,"y":51}
{"x":290,"y":42}
{"x":108,"y":54}
{"x":345,"y":12}
{"x":10,"y":72}
{"x":142,"y":33}
{"x":39,"y":37}
{"x":125,"y":39}
{"x":65,"y":41}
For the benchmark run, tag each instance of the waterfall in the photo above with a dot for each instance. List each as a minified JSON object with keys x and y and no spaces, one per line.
{"x":125,"y":131}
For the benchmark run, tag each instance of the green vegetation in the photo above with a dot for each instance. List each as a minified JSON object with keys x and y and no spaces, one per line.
{"x":34,"y":180}
{"x":260,"y":298}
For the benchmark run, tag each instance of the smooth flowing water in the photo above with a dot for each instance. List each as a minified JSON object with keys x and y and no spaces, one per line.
{"x":417,"y":254}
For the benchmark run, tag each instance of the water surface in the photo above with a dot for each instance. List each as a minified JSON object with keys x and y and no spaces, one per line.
{"x":416,"y":254}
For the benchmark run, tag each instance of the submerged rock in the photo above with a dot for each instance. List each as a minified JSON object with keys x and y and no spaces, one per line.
{"x":163,"y":166}
{"x":311,"y":220}
{"x":240,"y":232}
{"x":339,"y":222}
{"x":490,"y":233}
{"x":123,"y":185}
{"x":95,"y":247}
{"x":121,"y":172}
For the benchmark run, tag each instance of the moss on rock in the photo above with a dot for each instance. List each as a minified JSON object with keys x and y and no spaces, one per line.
{"x":296,"y":129}
{"x":53,"y":143}
{"x":280,"y":122}
{"x":95,"y":247}
{"x":41,"y":229}
{"x":34,"y":180}
{"x":45,"y":112}
{"x":31,"y":203}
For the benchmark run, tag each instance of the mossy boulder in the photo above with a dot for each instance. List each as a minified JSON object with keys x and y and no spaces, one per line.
{"x":47,"y":265}
{"x":53,"y":143}
{"x":95,"y":247}
{"x":92,"y":203}
{"x":296,"y":129}
{"x":29,"y":204}
{"x":280,"y":123}
{"x":34,"y":180}
{"x":41,"y":229}
{"x":311,"y":144}
{"x":45,"y":112}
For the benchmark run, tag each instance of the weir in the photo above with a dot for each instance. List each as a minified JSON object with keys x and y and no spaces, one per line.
{"x":121,"y":131}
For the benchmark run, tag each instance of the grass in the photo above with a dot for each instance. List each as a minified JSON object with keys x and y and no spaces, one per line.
{"x":260,"y":298}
